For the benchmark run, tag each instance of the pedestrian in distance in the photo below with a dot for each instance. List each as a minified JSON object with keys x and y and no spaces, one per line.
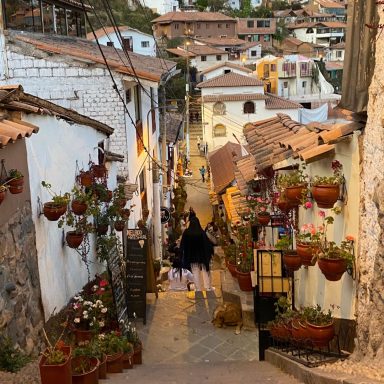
{"x":179,"y":278}
{"x":198,"y":143}
{"x":202,"y":173}
{"x":197,"y":252}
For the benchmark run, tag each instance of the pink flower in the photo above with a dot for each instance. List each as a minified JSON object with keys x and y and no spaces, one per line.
{"x":308,"y":205}
{"x":304,"y":228}
{"x":313,"y":231}
{"x":321,"y":228}
{"x":321,"y":214}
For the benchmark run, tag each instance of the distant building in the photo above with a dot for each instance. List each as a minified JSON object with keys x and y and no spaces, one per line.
{"x":336,"y":52}
{"x":290,"y":45}
{"x":257,"y":30}
{"x":162,"y":6}
{"x":222,"y":69}
{"x":202,"y":24}
{"x":336,"y":7}
{"x":133,"y":40}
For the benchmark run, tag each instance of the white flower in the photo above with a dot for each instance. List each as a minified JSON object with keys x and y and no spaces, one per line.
{"x":77,"y":320}
{"x":88,"y":303}
{"x":85,"y":316}
{"x":99,"y":302}
{"x":101,"y":336}
{"x":101,"y":323}
{"x":94,"y":305}
{"x":95,"y":287}
{"x":91,"y":324}
{"x":104,"y":310}
{"x":85,"y":312}
{"x":121,"y":321}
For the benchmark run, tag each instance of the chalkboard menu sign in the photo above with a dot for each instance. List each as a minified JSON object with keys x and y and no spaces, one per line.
{"x":136,"y":272}
{"x":117,"y":273}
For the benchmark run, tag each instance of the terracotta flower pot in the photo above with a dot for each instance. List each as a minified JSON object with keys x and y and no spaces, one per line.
{"x":90,"y":377}
{"x":232,"y":269}
{"x":16,"y":186}
{"x":82,"y":335}
{"x":119,"y":225}
{"x":306,"y":252}
{"x":299,"y":331}
{"x":86,"y":178}
{"x":321,"y":335}
{"x":121,"y":203}
{"x":115,"y":363}
{"x":103,"y":368}
{"x":74,"y":239}
{"x":333,"y":269}
{"x":2,"y":195}
{"x":284,"y":205}
{"x":57,"y":374}
{"x":264,"y":219}
{"x":128,"y":360}
{"x":79,"y":207}
{"x":245,"y":281}
{"x":99,"y":170}
{"x":102,"y":229}
{"x":291,"y":260}
{"x":326,"y":195}
{"x":137,"y":354}
{"x":294,"y":194}
{"x":53,"y":211}
{"x":125,"y":213}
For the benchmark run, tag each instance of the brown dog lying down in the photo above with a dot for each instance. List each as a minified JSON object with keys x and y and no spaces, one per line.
{"x":228,"y":314}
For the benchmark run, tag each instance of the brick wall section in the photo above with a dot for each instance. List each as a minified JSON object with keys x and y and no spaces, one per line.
{"x":84,"y":88}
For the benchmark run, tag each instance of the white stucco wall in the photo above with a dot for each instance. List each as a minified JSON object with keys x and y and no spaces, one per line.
{"x":55,"y":154}
{"x":137,"y":40}
{"x":220,"y":71}
{"x":210,"y":62}
{"x":162,"y":6}
{"x":311,"y":287}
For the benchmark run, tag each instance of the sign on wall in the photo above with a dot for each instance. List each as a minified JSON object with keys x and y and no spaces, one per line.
{"x":136,"y":272}
{"x":165,"y":215}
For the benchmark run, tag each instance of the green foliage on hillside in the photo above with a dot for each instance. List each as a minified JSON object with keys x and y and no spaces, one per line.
{"x":139,"y":18}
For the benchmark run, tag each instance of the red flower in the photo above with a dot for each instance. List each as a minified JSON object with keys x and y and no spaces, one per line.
{"x":103,"y":283}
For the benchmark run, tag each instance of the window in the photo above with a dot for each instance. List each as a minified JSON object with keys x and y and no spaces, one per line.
{"x":267,"y":38}
{"x":304,"y":84}
{"x":139,"y":137}
{"x":48,"y":24}
{"x":250,"y":23}
{"x":256,"y":38}
{"x":227,"y":26}
{"x":144,"y":44}
{"x":218,"y":57}
{"x":127,"y":44}
{"x":249,"y":107}
{"x":137,"y":95}
{"x":153,"y":114}
{"x":219,"y":108}
{"x":339,"y":54}
{"x":309,"y":30}
{"x":226,"y":71}
{"x":24,"y":15}
{"x":128,"y":95}
{"x":176,"y":26}
{"x":75,"y":23}
{"x":219,"y":130}
{"x":266,"y":70}
{"x":203,"y":58}
{"x":285,"y":84}
{"x":253,"y":53}
{"x":60,"y":18}
{"x":263,"y":23}
{"x":273,"y":67}
{"x":219,"y":25}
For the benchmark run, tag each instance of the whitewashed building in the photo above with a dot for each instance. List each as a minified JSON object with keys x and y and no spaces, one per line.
{"x":336,"y":52}
{"x":162,"y":6}
{"x":232,"y":100}
{"x":133,"y":40}
{"x":222,"y":69}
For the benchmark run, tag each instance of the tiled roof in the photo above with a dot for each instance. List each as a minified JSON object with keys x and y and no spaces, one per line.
{"x":173,"y":122}
{"x":226,"y":64}
{"x":276,"y":102}
{"x":234,"y":97}
{"x":338,"y":46}
{"x":231,"y":80}
{"x":180,"y":52}
{"x":12,"y":98}
{"x":221,"y":162}
{"x":192,"y":16}
{"x":334,"y":65}
{"x":293,"y":40}
{"x":330,"y":4}
{"x":328,"y":24}
{"x":276,"y":139}
{"x":199,"y":49}
{"x":146,"y":67}
{"x":222,"y":41}
{"x":247,"y":166}
{"x":243,"y":29}
{"x":111,"y":30}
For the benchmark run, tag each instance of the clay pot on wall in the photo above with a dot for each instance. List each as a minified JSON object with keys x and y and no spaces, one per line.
{"x":326,"y":195}
{"x":291,"y":260}
{"x":306,"y":252}
{"x":294,"y":194}
{"x":264,"y":219}
{"x":74,"y":239}
{"x":245,"y":281}
{"x":16,"y":186}
{"x":99,"y":170}
{"x":137,"y":354}
{"x":332,"y":269}
{"x":115,"y":363}
{"x":85,"y":178}
{"x":90,"y":377}
{"x":119,"y":225}
{"x":56,"y":373}
{"x":53,"y":211}
{"x":320,"y":335}
{"x":79,"y":207}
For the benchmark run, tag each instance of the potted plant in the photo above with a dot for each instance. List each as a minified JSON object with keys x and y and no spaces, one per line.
{"x":3,"y":192}
{"x":119,"y":198}
{"x":128,"y":352}
{"x":112,"y":345}
{"x":326,"y":189}
{"x":55,"y":208}
{"x":243,"y":270}
{"x":320,"y":325}
{"x":15,"y":181}
{"x":98,"y":170}
{"x":294,"y":186}
{"x":132,"y":336}
{"x":80,"y":226}
{"x":230,"y":258}
{"x":96,"y":349}
{"x":85,"y":178}
{"x":102,"y":192}
{"x":102,"y":223}
{"x":81,"y":200}
{"x":262,"y":213}
{"x":307,"y":243}
{"x":55,"y":362}
{"x":334,"y":260}
{"x":84,"y":366}
{"x":105,"y":245}
{"x":291,"y":259}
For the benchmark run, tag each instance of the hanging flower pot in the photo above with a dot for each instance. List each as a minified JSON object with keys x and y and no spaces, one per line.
{"x":291,"y":260}
{"x":53,"y":211}
{"x":277,"y":220}
{"x":79,"y":207}
{"x":284,"y":205}
{"x":119,"y":225}
{"x":85,"y":178}
{"x":326,"y":195}
{"x":102,"y":229}
{"x":245,"y":281}
{"x":294,"y":194}
{"x":16,"y":185}
{"x":125,"y":213}
{"x":74,"y":239}
{"x":115,"y":363}
{"x":332,"y":269}
{"x":263,"y":218}
{"x":306,"y":253}
{"x":56,"y":373}
{"x":320,"y":335}
{"x":85,"y":370}
{"x":3,"y":193}
{"x":99,"y":170}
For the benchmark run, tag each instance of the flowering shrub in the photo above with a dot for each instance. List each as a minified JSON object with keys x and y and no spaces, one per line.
{"x":337,"y":178}
{"x":310,"y":234}
{"x":258,"y":206}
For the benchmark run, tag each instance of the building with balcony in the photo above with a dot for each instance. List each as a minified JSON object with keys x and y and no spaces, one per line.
{"x":257,"y":30}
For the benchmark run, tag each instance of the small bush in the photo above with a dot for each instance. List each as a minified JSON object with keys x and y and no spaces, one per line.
{"x":11,"y":359}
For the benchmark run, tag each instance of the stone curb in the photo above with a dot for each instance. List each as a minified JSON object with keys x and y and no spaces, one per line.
{"x":313,"y":375}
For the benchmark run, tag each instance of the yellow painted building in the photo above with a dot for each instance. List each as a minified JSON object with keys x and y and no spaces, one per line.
{"x":267,"y":70}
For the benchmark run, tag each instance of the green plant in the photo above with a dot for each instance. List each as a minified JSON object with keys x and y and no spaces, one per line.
{"x":111,"y":343}
{"x":11,"y":358}
{"x":105,"y":245}
{"x":127,"y":345}
{"x":79,"y":224}
{"x":316,"y":316}
{"x":15,"y":174}
{"x":230,"y":253}
{"x":292,"y":179}
{"x":54,"y":354}
{"x":83,"y":363}
{"x":130,"y":331}
{"x":284,"y":243}
{"x":336,"y":179}
{"x":329,"y":250}
{"x":57,"y":199}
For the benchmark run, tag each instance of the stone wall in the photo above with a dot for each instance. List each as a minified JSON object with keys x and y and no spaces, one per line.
{"x":370,"y":306}
{"x":21,"y":312}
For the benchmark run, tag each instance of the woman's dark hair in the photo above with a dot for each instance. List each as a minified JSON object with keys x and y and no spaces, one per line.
{"x":176,"y":264}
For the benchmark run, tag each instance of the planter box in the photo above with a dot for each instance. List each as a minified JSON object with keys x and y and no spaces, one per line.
{"x":56,"y":374}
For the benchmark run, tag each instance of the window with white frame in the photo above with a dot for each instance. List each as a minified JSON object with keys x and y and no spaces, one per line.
{"x":144,"y":44}
{"x":219,"y":130}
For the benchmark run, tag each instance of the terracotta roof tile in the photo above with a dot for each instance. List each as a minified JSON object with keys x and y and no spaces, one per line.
{"x":111,"y":30}
{"x":221,"y":162}
{"x":180,"y":52}
{"x":226,"y":64}
{"x":231,"y":80}
{"x":247,"y":165}
{"x":224,"y":41}
{"x":243,"y":29}
{"x":146,"y":67}
{"x":192,"y":16}
{"x":329,"y":24}
{"x":330,"y":4}
{"x":234,"y":97}
{"x":276,"y":102}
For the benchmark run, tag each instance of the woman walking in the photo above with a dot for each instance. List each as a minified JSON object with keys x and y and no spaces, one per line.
{"x":197,"y":252}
